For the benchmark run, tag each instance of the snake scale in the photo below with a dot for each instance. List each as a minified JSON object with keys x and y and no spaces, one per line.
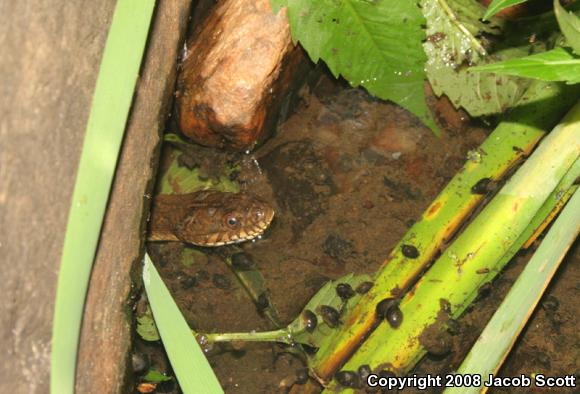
{"x":209,"y":218}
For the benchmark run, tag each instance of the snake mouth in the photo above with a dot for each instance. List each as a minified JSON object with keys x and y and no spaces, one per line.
{"x":250,"y":232}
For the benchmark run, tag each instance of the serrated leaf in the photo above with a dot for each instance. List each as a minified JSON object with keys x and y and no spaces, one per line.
{"x":373,"y":44}
{"x":570,"y":26}
{"x":559,"y":64}
{"x":452,"y":27}
{"x":180,"y":180}
{"x":146,"y":327}
{"x":499,"y":5}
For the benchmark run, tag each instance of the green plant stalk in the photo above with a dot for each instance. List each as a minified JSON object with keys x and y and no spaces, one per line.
{"x":540,"y":108}
{"x":255,"y":285}
{"x":105,"y":128}
{"x":456,"y":275}
{"x":500,"y":334}
{"x":551,"y":207}
{"x":191,"y":368}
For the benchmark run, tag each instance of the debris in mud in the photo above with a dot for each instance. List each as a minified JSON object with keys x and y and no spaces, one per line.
{"x":338,"y":248}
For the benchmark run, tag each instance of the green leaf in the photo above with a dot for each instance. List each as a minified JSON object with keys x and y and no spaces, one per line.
{"x":146,"y":327}
{"x":559,"y":64}
{"x":570,"y":26}
{"x":112,"y":99}
{"x":373,"y":44}
{"x":451,"y":44}
{"x":155,"y":376}
{"x":191,"y":368}
{"x":498,"y":5}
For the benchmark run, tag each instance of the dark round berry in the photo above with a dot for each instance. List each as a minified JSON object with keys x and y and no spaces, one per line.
{"x":330,"y":315}
{"x":262,"y":303}
{"x":383,"y":306}
{"x":310,"y":320}
{"x":344,"y":291}
{"x":410,"y":251}
{"x":364,"y":287}
{"x":347,"y":379}
{"x":394,"y":316}
{"x":481,"y":187}
{"x":242,"y":261}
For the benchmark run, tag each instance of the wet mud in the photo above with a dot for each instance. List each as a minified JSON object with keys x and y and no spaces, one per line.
{"x":347,"y":175}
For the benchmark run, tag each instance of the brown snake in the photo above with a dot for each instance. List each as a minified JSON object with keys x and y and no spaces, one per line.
{"x":209,"y":218}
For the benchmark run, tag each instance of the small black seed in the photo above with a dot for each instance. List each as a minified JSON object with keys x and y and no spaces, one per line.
{"x":262,"y":303}
{"x":329,"y":315}
{"x":202,"y":275}
{"x":364,"y":287}
{"x":410,"y":251}
{"x":221,"y":282}
{"x":188,"y":282}
{"x":242,"y":261}
{"x":394,"y":316}
{"x":302,"y":376}
{"x":310,"y":320}
{"x":482,"y":186}
{"x":139,"y":363}
{"x":383,"y":306}
{"x":347,"y":379}
{"x":363,"y":372}
{"x":344,"y":291}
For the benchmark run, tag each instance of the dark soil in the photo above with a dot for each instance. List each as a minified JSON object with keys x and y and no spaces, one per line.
{"x":348,"y":175}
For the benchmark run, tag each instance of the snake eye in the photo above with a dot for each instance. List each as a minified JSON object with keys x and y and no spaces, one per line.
{"x":232,"y":221}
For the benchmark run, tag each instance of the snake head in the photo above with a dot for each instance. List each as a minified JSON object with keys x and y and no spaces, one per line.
{"x":225,"y":218}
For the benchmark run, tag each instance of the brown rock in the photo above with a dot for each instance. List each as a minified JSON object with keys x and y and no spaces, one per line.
{"x":236,"y":74}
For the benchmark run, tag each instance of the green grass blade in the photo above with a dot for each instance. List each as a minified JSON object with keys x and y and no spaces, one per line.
{"x":559,"y":64}
{"x":191,"y":368}
{"x":105,"y":128}
{"x":498,"y":337}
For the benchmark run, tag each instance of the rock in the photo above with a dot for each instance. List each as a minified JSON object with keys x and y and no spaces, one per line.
{"x":236,"y":75}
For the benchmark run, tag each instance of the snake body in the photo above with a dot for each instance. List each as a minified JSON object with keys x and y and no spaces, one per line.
{"x":209,"y":218}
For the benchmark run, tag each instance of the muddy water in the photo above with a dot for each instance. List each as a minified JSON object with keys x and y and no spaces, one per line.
{"x":348,"y":175}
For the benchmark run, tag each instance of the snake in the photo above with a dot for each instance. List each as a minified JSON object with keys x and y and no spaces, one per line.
{"x":209,"y":218}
